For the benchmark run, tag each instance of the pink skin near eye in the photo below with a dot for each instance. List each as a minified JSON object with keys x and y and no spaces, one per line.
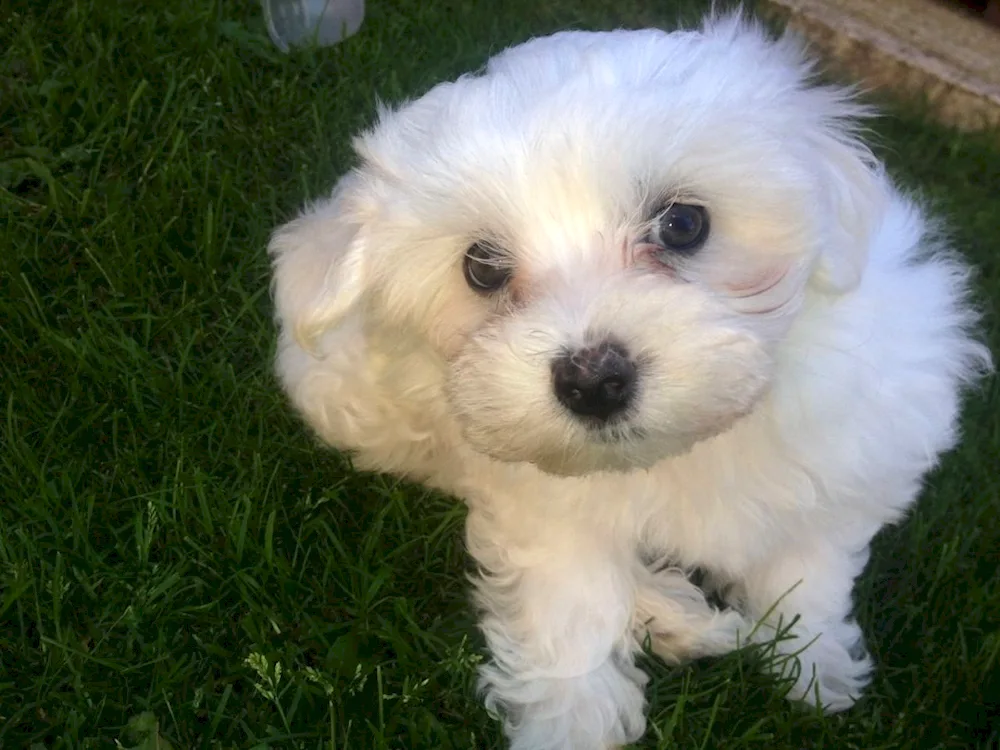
{"x":757,"y":285}
{"x":761,"y":284}
{"x":644,"y":251}
{"x":753,"y":295}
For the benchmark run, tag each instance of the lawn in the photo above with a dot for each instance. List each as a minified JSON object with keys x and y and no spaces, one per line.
{"x":181,"y":566}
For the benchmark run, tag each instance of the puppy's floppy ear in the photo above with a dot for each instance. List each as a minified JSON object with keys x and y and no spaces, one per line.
{"x":318,"y":263}
{"x":853,"y":187}
{"x":855,"y":191}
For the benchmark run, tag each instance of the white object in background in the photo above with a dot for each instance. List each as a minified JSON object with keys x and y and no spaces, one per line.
{"x":322,"y":22}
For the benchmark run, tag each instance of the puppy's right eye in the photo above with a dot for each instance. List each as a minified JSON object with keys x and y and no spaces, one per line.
{"x":681,"y":228}
{"x":486,"y":269}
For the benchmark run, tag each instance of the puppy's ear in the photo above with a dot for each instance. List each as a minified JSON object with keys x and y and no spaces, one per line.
{"x":318,"y":263}
{"x":855,"y":190}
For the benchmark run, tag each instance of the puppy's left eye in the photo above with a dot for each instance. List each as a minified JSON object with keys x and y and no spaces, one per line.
{"x":485,"y":267}
{"x":681,"y":228}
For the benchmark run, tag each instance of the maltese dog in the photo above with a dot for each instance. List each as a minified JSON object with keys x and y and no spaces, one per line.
{"x":645,"y":302}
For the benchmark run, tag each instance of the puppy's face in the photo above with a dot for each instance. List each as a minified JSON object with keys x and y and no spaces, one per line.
{"x":606,"y":237}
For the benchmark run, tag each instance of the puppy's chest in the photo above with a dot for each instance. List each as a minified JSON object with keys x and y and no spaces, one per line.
{"x":726,"y":532}
{"x":723,"y":523}
{"x":720,"y":521}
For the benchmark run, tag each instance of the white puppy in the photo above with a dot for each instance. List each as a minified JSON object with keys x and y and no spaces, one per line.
{"x":634,"y":296}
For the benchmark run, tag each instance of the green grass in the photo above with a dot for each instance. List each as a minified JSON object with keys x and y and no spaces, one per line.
{"x":170,"y":534}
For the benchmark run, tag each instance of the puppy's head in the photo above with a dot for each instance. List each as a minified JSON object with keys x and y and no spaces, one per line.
{"x":605,"y":236}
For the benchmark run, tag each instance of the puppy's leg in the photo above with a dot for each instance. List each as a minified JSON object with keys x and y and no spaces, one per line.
{"x":679,"y":622}
{"x":557,"y":609}
{"x":813,"y":581}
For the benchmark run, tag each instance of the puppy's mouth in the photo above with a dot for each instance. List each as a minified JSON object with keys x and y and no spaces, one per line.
{"x":620,"y":432}
{"x":620,"y":446}
{"x":614,"y":461}
{"x":617,"y":447}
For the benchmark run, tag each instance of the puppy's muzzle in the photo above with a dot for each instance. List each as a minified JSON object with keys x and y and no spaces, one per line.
{"x":595,"y":382}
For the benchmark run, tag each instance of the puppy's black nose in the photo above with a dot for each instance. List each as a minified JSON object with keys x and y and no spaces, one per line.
{"x":596,"y":382}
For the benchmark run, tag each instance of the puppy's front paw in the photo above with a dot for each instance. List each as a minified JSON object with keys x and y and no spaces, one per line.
{"x":600,"y":710}
{"x":828,"y":674}
{"x":681,"y":624}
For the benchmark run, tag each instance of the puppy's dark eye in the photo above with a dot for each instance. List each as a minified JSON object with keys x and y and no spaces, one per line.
{"x":486,"y":269}
{"x":681,"y":228}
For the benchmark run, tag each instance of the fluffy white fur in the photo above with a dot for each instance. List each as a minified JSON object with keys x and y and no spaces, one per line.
{"x":800,"y":374}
